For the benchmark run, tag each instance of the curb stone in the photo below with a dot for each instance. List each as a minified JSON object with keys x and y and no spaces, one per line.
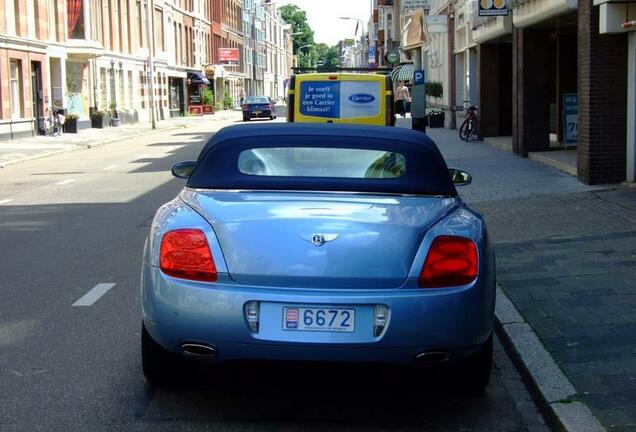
{"x":552,"y":390}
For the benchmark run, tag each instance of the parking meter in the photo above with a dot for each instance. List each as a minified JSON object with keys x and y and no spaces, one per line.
{"x":418,"y":101}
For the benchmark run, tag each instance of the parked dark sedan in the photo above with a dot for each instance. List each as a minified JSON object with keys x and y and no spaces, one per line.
{"x":258,"y":107}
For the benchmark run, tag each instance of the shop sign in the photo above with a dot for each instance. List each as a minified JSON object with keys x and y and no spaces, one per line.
{"x":409,"y":5}
{"x":436,"y":24}
{"x":195,"y":99}
{"x":570,"y":118}
{"x":393,"y":56}
{"x":229,"y":56}
{"x":208,"y":70}
{"x":493,"y":7}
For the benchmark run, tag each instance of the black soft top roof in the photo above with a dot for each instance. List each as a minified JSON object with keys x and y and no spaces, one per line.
{"x":426,"y":170}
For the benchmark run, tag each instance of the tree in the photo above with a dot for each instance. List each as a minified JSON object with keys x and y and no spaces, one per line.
{"x":297,"y":18}
{"x":325,"y":55}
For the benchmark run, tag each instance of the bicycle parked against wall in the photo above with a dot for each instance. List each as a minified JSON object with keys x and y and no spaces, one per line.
{"x":53,"y":121}
{"x":469,"y":127}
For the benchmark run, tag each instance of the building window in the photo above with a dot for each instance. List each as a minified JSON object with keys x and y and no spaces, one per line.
{"x":17,"y":15}
{"x":140,"y":26}
{"x":159,"y":41}
{"x":130,"y":90}
{"x":75,"y":19}
{"x":16,"y":89}
{"x":39,"y":29}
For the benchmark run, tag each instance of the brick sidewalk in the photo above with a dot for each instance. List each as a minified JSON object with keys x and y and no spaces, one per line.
{"x":566,"y":257}
{"x":12,"y":151}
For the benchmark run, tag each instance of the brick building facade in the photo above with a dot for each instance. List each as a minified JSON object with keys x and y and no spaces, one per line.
{"x":91,"y":55}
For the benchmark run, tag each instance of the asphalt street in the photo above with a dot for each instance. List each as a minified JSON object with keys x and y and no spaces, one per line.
{"x":75,"y":222}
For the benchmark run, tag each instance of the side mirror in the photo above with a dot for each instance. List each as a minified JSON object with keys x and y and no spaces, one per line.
{"x":460,"y":177}
{"x":183,"y":169}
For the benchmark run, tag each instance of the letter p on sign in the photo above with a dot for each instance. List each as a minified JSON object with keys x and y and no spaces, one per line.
{"x":418,"y":77}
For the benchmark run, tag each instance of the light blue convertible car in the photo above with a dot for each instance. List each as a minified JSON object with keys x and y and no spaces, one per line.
{"x":319,"y":242}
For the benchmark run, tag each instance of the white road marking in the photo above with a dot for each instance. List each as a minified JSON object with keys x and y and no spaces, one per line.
{"x":93,"y":295}
{"x":110,"y":167}
{"x":4,"y":201}
{"x":65,"y":182}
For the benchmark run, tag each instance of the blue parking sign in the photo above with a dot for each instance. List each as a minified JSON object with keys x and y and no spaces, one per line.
{"x":418,"y":77}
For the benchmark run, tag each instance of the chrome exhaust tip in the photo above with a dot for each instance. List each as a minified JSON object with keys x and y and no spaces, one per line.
{"x":432,"y":357}
{"x":198,"y":350}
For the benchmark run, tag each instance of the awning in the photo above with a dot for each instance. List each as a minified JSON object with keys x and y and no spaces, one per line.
{"x":403,"y":72}
{"x":197,"y":78}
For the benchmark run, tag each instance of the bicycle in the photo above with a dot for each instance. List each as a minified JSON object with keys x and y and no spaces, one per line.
{"x":469,"y":127}
{"x":53,"y":122}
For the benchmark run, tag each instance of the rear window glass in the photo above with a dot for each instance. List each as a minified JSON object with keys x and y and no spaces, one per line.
{"x":257,"y":99}
{"x":322,"y":162}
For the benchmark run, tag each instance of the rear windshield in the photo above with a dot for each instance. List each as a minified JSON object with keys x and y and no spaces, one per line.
{"x":322,"y":162}
{"x":257,"y":99}
{"x":340,"y":158}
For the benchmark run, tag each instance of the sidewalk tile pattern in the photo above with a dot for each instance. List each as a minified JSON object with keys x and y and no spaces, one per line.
{"x":566,"y":257}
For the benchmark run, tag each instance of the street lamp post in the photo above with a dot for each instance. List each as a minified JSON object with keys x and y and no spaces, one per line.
{"x":301,"y":47}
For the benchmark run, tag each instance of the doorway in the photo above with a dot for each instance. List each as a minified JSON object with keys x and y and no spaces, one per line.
{"x":36,"y":89}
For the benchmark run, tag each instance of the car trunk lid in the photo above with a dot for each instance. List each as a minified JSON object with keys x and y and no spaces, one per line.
{"x":316,"y":240}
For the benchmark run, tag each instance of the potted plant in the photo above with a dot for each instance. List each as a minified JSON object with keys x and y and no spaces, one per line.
{"x":435,"y":117}
{"x":434,"y":89}
{"x":100,"y":119}
{"x":70,"y":123}
{"x":114,"y":120}
{"x":206,"y":99}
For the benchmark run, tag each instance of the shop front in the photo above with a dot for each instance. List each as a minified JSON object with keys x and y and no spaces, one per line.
{"x":197,"y":83}
{"x":76,"y":95}
{"x":567,"y":81}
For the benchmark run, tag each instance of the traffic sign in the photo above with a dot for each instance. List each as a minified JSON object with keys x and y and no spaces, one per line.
{"x":419,"y":77}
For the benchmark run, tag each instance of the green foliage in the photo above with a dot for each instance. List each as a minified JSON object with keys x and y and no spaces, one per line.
{"x":218,"y":106}
{"x":434,"y":89}
{"x":297,"y":18}
{"x":349,"y":42}
{"x":325,"y":55}
{"x":228,"y":102}
{"x":99,"y":114}
{"x":207,"y":96}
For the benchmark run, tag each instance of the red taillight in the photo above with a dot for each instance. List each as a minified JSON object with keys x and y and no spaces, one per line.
{"x":451,"y":261}
{"x":185,"y":254}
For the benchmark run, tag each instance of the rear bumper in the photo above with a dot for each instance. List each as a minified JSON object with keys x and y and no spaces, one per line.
{"x":454,"y":320}
{"x":261,"y":114}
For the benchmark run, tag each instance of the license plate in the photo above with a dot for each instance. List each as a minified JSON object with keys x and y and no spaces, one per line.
{"x":319,"y":319}
{"x":257,"y":112}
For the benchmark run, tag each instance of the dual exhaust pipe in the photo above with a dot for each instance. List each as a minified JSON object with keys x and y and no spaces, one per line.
{"x":209,"y":352}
